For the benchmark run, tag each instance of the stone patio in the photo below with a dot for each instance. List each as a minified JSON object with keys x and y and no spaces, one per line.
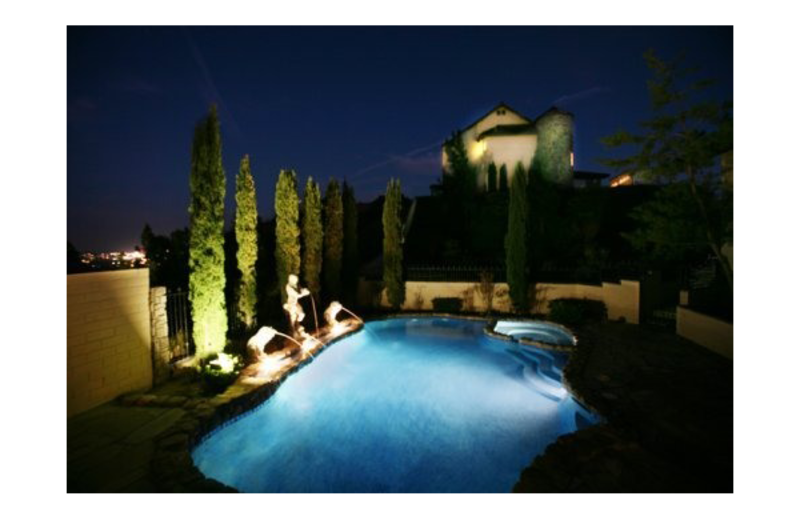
{"x":109,"y":448}
{"x":669,"y":410}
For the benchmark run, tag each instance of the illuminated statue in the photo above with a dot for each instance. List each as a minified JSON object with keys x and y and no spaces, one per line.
{"x":293,"y":307}
{"x":256,"y":344}
{"x":331,"y":312}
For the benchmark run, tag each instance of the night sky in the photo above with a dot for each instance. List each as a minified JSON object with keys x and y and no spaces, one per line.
{"x":364,"y":104}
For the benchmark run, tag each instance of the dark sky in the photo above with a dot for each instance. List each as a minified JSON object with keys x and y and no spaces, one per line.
{"x":364,"y":104}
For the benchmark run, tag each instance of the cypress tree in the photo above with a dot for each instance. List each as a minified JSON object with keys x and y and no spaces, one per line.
{"x":334,"y":241}
{"x":460,"y":184}
{"x":287,"y":231}
{"x":503,"y":178}
{"x":246,"y":242}
{"x":516,"y":241}
{"x":393,"y":246}
{"x":206,"y":239}
{"x":491,"y":184}
{"x":350,"y":255}
{"x":312,"y":237}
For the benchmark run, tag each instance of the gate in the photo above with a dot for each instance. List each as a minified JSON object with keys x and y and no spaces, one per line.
{"x":179,"y":321}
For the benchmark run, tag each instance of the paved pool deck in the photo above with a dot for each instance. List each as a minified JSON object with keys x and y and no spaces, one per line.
{"x":109,"y":448}
{"x":669,"y":410}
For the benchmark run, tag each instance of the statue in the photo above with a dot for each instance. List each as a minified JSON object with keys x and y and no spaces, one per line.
{"x":331,"y":312}
{"x":256,"y":344}
{"x":293,"y":307}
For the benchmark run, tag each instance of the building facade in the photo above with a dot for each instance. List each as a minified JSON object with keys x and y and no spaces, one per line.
{"x":505,"y":137}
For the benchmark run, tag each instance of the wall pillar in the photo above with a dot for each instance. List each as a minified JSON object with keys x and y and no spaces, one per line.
{"x":159,"y":332}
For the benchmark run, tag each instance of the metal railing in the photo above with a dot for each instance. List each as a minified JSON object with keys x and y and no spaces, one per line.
{"x":179,"y":322}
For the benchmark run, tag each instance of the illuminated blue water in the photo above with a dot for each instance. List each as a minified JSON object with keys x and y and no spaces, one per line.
{"x":406,"y":405}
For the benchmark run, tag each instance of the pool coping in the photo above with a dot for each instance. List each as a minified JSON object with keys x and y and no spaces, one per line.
{"x":172,"y":466}
{"x":489,"y":331}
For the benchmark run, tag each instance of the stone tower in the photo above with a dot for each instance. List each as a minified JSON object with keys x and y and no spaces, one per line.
{"x":554,"y":145}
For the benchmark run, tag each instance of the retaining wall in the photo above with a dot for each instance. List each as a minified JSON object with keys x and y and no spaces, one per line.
{"x":712,"y":333}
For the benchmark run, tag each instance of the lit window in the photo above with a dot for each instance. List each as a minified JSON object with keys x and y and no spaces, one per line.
{"x":621,"y":180}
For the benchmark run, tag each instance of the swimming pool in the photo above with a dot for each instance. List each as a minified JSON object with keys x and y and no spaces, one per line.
{"x":405,"y":405}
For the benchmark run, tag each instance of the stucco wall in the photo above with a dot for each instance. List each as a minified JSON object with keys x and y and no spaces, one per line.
{"x":108,"y":336}
{"x":502,"y":150}
{"x":622,"y":299}
{"x":508,"y":150}
{"x":712,"y":333}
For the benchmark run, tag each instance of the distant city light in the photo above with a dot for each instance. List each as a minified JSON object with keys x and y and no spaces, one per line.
{"x":114,"y":259}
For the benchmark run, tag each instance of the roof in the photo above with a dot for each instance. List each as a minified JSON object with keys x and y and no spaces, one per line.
{"x":530,"y":122}
{"x":499,"y":105}
{"x":551,"y":110}
{"x":500,"y":130}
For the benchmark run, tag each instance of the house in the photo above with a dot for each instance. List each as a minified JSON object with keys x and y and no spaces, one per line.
{"x":506,"y":137}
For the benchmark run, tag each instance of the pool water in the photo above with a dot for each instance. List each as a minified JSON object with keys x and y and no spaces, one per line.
{"x":405,"y":405}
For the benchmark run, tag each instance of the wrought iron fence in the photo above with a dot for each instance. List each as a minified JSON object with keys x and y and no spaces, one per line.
{"x":179,"y":321}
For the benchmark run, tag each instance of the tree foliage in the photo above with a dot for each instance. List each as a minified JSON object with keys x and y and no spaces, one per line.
{"x":334,"y":241}
{"x":393,"y":245}
{"x":667,"y":229}
{"x":679,"y":144}
{"x":503,"y":178}
{"x":459,"y":183}
{"x":491,"y":178}
{"x":246,"y":243}
{"x":167,"y":258}
{"x":516,"y":241}
{"x":312,"y":237}
{"x":287,"y":230}
{"x":350,"y":255}
{"x":206,"y":239}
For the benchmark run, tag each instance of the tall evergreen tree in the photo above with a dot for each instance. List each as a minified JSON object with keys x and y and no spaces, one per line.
{"x":460,"y":184}
{"x":516,"y":241}
{"x":287,"y":231}
{"x":393,"y":245}
{"x":206,"y":239}
{"x":491,"y":181}
{"x":350,"y":255}
{"x":247,"y":242}
{"x":312,"y":237}
{"x":334,"y":241}
{"x":503,"y":178}
{"x":463,"y":173}
{"x":544,"y":218}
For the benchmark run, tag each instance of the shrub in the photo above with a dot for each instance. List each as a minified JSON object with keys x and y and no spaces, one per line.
{"x":569,"y":310}
{"x":447,"y":304}
{"x":218,"y":372}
